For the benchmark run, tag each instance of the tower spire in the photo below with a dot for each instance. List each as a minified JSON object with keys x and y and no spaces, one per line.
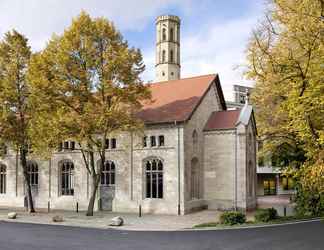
{"x":167,"y":65}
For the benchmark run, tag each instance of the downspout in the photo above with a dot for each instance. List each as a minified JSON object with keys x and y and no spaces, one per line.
{"x":235,"y":172}
{"x":132,"y":166}
{"x":179,"y":196}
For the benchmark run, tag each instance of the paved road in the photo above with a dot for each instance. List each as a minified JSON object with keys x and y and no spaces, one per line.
{"x":306,"y":236}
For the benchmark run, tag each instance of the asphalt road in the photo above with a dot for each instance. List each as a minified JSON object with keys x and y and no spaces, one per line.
{"x":19,"y":236}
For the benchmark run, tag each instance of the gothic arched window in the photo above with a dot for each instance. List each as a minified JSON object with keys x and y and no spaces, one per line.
{"x":163,"y":56}
{"x":108,"y":174}
{"x":32,"y":169}
{"x":3,"y":178}
{"x":171,"y":56}
{"x":171,"y":34}
{"x":67,"y":177}
{"x":163,"y":34}
{"x":154,"y":179}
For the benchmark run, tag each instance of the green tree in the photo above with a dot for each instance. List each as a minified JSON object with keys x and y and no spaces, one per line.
{"x":89,"y":86}
{"x":286,"y":60}
{"x":15,"y":109}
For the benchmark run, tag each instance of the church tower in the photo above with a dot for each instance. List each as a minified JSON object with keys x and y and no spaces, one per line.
{"x":167,"y":65}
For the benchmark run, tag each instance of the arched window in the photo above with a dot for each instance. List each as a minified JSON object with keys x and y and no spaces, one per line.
{"x":171,"y":56}
{"x":171,"y":34}
{"x":163,"y":34}
{"x":154,"y":179}
{"x":163,"y":56}
{"x":32,"y":169}
{"x":195,"y":179}
{"x":108,"y":174}
{"x":195,"y":141}
{"x":3,"y":178}
{"x":67,"y":178}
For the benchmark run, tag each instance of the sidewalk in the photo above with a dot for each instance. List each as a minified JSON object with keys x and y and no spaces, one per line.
{"x":102,"y":219}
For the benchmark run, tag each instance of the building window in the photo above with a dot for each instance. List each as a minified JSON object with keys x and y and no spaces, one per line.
{"x":108,"y":174}
{"x":163,"y":56}
{"x":144,"y":141}
{"x":66,"y":145}
{"x":3,"y":179}
{"x":163,"y":34}
{"x":154,"y":179}
{"x":106,"y":143}
{"x":171,"y":34}
{"x":242,"y":99}
{"x":195,"y":141}
{"x":194,"y":179}
{"x":67,"y":178}
{"x":72,"y":145}
{"x":161,"y":140}
{"x":32,"y":170}
{"x":113,"y":143}
{"x":153,"y":141}
{"x":287,"y":183}
{"x":171,"y":55}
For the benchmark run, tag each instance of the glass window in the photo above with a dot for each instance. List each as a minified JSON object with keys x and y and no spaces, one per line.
{"x":161,"y":140}
{"x":153,"y":141}
{"x":154,"y":179}
{"x":171,"y":34}
{"x":145,"y":141}
{"x":113,"y":143}
{"x":72,"y":145}
{"x":60,"y":147}
{"x":287,"y":183}
{"x":163,"y":56}
{"x":163,"y":34}
{"x":171,"y":56}
{"x":3,"y":179}
{"x":67,"y":178}
{"x":108,"y":174}
{"x":32,"y":170}
{"x":107,"y":144}
{"x":66,"y":145}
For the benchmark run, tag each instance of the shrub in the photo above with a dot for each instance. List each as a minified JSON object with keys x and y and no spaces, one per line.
{"x":232,"y":218}
{"x":266,"y":215}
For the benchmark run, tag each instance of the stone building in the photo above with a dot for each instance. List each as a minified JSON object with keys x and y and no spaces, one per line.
{"x":194,"y":153}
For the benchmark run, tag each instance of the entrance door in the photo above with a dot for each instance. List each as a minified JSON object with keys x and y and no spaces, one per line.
{"x":269,"y":187}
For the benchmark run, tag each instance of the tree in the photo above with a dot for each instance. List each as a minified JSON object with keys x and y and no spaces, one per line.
{"x":89,"y":86}
{"x":15,"y":110}
{"x":285,"y":59}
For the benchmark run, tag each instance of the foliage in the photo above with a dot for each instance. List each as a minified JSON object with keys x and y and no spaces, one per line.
{"x":16,"y":114}
{"x":232,"y":218}
{"x":89,"y":87}
{"x":310,"y":195}
{"x":285,"y":59}
{"x":266,"y":215}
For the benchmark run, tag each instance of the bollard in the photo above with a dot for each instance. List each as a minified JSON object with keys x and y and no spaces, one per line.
{"x":77,"y":207}
{"x":48,"y":206}
{"x":285,"y":211}
{"x":140,"y":211}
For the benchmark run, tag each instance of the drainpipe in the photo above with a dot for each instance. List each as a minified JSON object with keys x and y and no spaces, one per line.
{"x":179,"y":197}
{"x":132,"y":166}
{"x":235,"y":172}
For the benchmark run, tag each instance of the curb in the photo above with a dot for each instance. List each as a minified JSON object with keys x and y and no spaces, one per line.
{"x":121,"y":229}
{"x":258,"y":226}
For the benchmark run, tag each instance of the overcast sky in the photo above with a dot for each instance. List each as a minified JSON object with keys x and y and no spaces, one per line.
{"x":214,"y":33}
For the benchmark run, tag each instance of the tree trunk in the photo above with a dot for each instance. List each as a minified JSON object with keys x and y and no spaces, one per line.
{"x":95,"y":184}
{"x":23,"y":162}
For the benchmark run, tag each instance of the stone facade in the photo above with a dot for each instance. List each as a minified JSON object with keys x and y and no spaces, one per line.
{"x":198,"y":168}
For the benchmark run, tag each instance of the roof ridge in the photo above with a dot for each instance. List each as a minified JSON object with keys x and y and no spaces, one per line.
{"x":192,"y":77}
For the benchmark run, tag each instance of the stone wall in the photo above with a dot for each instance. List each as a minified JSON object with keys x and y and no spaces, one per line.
{"x":197,"y":122}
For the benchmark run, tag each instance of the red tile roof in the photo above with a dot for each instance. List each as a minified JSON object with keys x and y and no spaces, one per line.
{"x":222,"y":120}
{"x":177,"y":99}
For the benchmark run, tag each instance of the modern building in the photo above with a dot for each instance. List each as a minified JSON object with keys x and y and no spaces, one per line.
{"x":270,"y":179}
{"x":194,"y":152}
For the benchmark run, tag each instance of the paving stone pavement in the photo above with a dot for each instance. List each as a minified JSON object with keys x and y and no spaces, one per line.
{"x":102,"y":219}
